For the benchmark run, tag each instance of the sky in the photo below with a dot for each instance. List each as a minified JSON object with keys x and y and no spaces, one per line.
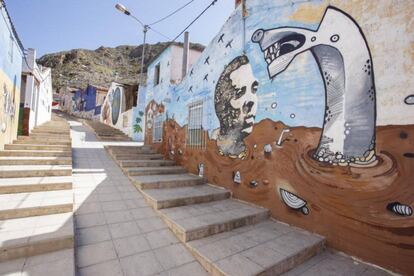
{"x":57,"y":25}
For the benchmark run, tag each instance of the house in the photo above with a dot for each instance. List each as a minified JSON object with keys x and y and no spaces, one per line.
{"x":36,"y":95}
{"x":66,"y":96}
{"x":117,"y":108}
{"x":284,"y":109}
{"x":11,"y":53}
{"x":165,"y":71}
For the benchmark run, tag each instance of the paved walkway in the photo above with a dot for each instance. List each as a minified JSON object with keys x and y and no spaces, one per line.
{"x":117,"y":233}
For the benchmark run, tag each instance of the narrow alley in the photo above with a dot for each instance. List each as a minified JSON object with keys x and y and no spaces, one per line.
{"x":214,"y":137}
{"x":168,"y":223}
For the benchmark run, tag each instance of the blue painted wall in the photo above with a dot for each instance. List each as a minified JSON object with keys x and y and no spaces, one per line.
{"x":90,"y":98}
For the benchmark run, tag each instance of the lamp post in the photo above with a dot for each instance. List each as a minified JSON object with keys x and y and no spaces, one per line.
{"x":125,"y":11}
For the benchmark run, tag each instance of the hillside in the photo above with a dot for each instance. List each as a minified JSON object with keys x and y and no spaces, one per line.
{"x":79,"y":67}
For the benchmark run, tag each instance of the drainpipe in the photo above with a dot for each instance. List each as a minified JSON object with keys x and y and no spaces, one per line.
{"x":186,"y":47}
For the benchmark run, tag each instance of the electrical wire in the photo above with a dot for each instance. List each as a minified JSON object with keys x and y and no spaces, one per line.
{"x":171,"y":14}
{"x":192,"y":22}
{"x":155,"y":31}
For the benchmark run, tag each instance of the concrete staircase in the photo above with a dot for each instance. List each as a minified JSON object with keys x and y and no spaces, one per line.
{"x":106,"y":133}
{"x":227,"y":236}
{"x":36,"y":197}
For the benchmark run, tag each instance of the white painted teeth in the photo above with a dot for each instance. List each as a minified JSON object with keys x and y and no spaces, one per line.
{"x":272,"y":52}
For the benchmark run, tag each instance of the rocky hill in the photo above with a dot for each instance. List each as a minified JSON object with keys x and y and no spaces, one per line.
{"x":79,"y":67}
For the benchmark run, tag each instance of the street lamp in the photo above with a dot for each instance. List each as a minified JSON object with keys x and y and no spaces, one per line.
{"x":125,"y":11}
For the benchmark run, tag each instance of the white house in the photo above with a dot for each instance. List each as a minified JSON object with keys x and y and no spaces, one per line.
{"x":36,"y":93}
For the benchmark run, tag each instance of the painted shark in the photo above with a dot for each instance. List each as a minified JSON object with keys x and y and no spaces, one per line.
{"x":341,"y":51}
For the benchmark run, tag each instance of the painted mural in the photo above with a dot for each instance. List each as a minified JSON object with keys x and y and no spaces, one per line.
{"x":348,"y":131}
{"x":297,"y":122}
{"x":11,"y":53}
{"x":116,"y":105}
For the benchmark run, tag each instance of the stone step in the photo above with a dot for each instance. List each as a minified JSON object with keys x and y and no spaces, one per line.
{"x":37,"y":141}
{"x":49,"y":131}
{"x":173,"y":197}
{"x":19,"y":171}
{"x":137,"y":156}
{"x":135,"y":171}
{"x":114,"y":148}
{"x":111,"y":138}
{"x":23,"y":160}
{"x":164,"y":181}
{"x":194,"y":222}
{"x":37,"y":147}
{"x":145,"y":163}
{"x":25,"y":237}
{"x":35,"y":184}
{"x":126,"y":150}
{"x":266,"y":248}
{"x":38,"y":153}
{"x":63,"y":135}
{"x":21,"y":205}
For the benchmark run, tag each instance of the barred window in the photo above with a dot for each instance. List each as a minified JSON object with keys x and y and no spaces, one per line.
{"x":157,"y":129}
{"x":195,"y":135}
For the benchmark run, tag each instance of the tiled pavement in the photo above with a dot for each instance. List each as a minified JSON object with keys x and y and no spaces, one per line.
{"x":117,"y":233}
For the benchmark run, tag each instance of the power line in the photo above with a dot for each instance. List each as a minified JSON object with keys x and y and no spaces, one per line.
{"x":155,"y":31}
{"x":171,"y":14}
{"x":192,"y":22}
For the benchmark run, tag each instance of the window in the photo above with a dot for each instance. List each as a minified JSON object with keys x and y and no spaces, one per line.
{"x":157,"y":129}
{"x":157,"y":70}
{"x":195,"y":136}
{"x":11,"y":48}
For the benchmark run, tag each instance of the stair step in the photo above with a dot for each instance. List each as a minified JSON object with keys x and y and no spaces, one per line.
{"x":137,"y":156}
{"x":135,"y":171}
{"x":37,"y":147}
{"x":23,"y":160}
{"x":145,"y":163}
{"x":35,"y":204}
{"x":198,"y":221}
{"x":267,"y":248}
{"x":38,"y":153}
{"x":25,"y":237}
{"x":167,"y":181}
{"x":167,"y":198}
{"x":49,"y":131}
{"x":35,"y":184}
{"x":35,"y":141}
{"x":132,"y":150}
{"x":19,"y":171}
{"x":62,"y":135}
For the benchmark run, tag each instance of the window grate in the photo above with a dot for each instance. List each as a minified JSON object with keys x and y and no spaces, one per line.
{"x":195,"y":135}
{"x":157,"y":129}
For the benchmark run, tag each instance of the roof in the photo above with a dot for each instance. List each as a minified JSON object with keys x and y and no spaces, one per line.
{"x":13,"y":29}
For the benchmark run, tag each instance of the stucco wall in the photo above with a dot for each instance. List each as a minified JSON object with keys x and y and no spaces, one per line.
{"x":10,"y":77}
{"x":311,"y":99}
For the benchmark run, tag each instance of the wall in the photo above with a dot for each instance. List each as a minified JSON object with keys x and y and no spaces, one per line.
{"x":310,"y":106}
{"x":45,"y":98}
{"x":10,"y":76}
{"x":118,"y":108}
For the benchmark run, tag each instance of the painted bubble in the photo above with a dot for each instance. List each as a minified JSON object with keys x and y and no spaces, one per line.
{"x":409,"y":99}
{"x":292,"y":115}
{"x":273,"y":105}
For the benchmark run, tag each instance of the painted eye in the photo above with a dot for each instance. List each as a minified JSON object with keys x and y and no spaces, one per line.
{"x":240,"y":92}
{"x":254,"y":87}
{"x":335,"y":38}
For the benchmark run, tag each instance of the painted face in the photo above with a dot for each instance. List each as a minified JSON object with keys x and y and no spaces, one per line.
{"x":245,"y":99}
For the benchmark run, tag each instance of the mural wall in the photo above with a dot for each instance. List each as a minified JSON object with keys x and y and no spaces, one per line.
{"x":11,"y":53}
{"x":118,"y":107}
{"x":297,"y":121}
